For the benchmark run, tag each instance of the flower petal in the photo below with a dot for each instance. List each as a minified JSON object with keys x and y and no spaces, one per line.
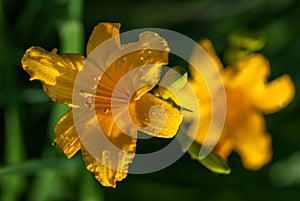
{"x":155,"y":116}
{"x":251,"y":141}
{"x":208,"y":47}
{"x":274,"y":95}
{"x":66,"y":136}
{"x":149,"y":53}
{"x":197,"y":57}
{"x":105,"y":175}
{"x":200,"y":89}
{"x":114,"y":155}
{"x":57,"y":73}
{"x":196,"y":80}
{"x":248,"y":74}
{"x":101,"y":33}
{"x":204,"y":124}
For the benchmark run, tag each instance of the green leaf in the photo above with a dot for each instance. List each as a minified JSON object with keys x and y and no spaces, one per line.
{"x":247,"y":40}
{"x":243,"y":43}
{"x":212,"y":161}
{"x":173,"y":81}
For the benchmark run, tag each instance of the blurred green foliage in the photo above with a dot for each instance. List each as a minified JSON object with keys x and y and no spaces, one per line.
{"x":32,"y":169}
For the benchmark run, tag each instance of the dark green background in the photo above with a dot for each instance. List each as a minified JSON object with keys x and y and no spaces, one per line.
{"x":32,"y":169}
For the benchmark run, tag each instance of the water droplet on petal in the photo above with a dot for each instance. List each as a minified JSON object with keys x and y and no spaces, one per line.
{"x":106,"y":110}
{"x":105,"y":154}
{"x":89,"y":103}
{"x":94,"y":86}
{"x":97,"y":78}
{"x":281,"y":104}
{"x":85,"y":94}
{"x":54,"y":144}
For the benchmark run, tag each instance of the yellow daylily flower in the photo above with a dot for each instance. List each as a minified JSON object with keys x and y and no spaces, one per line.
{"x":58,"y":73}
{"x":249,"y":96}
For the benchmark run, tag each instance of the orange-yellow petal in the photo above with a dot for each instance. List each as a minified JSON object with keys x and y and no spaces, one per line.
{"x":202,"y":60}
{"x":208,"y":47}
{"x":151,"y":50}
{"x":113,"y":159}
{"x":274,"y":95}
{"x":224,"y":147}
{"x":196,"y":80}
{"x":251,"y":141}
{"x":143,"y":80}
{"x":256,"y":154}
{"x":66,"y":136}
{"x":203,"y":126}
{"x":125,"y":142}
{"x":75,"y":61}
{"x":155,"y":116}
{"x":199,"y":87}
{"x":57,"y":73}
{"x":248,"y":74}
{"x":102,"y":32}
{"x":149,"y":53}
{"x":105,"y":175}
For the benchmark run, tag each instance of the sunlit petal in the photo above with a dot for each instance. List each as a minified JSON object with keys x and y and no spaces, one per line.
{"x":196,"y":80}
{"x":75,"y":61}
{"x":139,"y":82}
{"x":274,"y":95}
{"x":251,"y":141}
{"x":113,"y":159}
{"x":151,"y":52}
{"x":200,"y":88}
{"x":204,"y":123}
{"x":102,"y":32}
{"x":66,"y":136}
{"x":247,"y":74}
{"x":224,"y":147}
{"x":105,"y":175}
{"x":208,"y":47}
{"x":57,"y":73}
{"x":158,"y":117}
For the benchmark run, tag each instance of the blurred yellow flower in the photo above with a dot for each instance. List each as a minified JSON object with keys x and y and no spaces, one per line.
{"x":58,"y":73}
{"x":249,"y":96}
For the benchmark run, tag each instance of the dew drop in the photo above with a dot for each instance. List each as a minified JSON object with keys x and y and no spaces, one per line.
{"x":94,"y":86}
{"x":84,"y":94}
{"x":105,"y":154}
{"x":106,"y":110}
{"x":97,"y":78}
{"x":281,"y":104}
{"x":183,"y":149}
{"x":54,"y":144}
{"x":89,"y":103}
